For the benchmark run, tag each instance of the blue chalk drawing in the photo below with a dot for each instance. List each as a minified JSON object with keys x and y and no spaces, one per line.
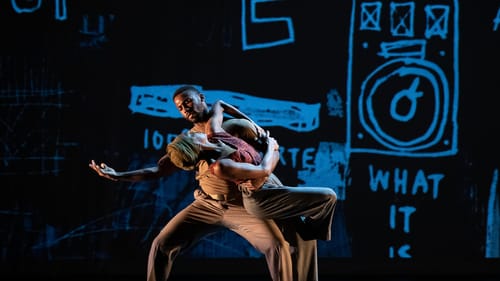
{"x":25,"y":6}
{"x":402,"y":19}
{"x":329,"y":168}
{"x":143,"y":210}
{"x":436,"y":21}
{"x":31,"y":119}
{"x":93,"y":30}
{"x":335,"y":104}
{"x":493,"y":220}
{"x":301,"y":117}
{"x":401,"y":252}
{"x":256,"y":20}
{"x":370,"y":16}
{"x":406,"y":102}
{"x":394,"y":70}
{"x":414,"y":48}
{"x":496,"y":21}
{"x":30,"y":6}
{"x":406,"y":211}
{"x":400,"y":183}
{"x":402,"y":97}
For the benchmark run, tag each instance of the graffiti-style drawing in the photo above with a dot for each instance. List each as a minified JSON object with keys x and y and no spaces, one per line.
{"x":251,"y":23}
{"x":396,"y":161}
{"x":403,"y":106}
{"x":405,"y":102}
{"x":30,"y":6}
{"x":496,"y":21}
{"x":145,"y":210}
{"x":403,"y":98}
{"x":25,"y":6}
{"x":493,"y":220}
{"x":295,"y":116}
{"x":335,"y":104}
{"x":400,"y":182}
{"x":402,"y":18}
{"x":436,"y":23}
{"x":32,"y":139}
{"x":370,"y":16}
{"x":329,"y":167}
{"x":93,"y":30}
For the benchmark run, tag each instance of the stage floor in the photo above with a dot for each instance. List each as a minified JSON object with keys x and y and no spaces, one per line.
{"x":199,"y":277}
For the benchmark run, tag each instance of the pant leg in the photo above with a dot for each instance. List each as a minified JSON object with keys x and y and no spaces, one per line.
{"x":304,"y":253}
{"x":283,"y":202}
{"x":184,"y":230}
{"x":265,"y":236}
{"x":306,"y":259}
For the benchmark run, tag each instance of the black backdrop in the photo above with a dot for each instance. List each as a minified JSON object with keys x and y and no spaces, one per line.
{"x":86,"y":80}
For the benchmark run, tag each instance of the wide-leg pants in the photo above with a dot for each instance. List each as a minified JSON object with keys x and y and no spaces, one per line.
{"x":315,"y":204}
{"x":287,"y":205}
{"x":205,"y":216}
{"x":304,"y":253}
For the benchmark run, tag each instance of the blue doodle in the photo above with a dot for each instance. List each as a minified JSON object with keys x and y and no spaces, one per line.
{"x":370,"y":16}
{"x":32,"y":140}
{"x":402,"y":19}
{"x":402,"y":252}
{"x":95,"y":34}
{"x":414,"y":48}
{"x":328,"y":169}
{"x":496,"y":21}
{"x":407,"y":211}
{"x":422,"y":183}
{"x":30,"y":6}
{"x":301,"y":117}
{"x":392,"y":95}
{"x":437,"y":18}
{"x":493,"y":220}
{"x":335,"y":104}
{"x":256,"y":20}
{"x":374,"y":87}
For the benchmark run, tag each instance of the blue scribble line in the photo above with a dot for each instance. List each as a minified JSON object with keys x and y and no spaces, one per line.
{"x":93,"y":227}
{"x":405,"y":59}
{"x":330,"y":168}
{"x":370,"y":16}
{"x":296,"y":116}
{"x":32,"y":106}
{"x":496,"y":20}
{"x":493,"y":220}
{"x":30,"y":6}
{"x":254,"y":19}
{"x":402,"y":19}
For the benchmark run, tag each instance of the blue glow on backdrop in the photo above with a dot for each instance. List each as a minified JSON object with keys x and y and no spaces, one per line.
{"x":390,"y":103}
